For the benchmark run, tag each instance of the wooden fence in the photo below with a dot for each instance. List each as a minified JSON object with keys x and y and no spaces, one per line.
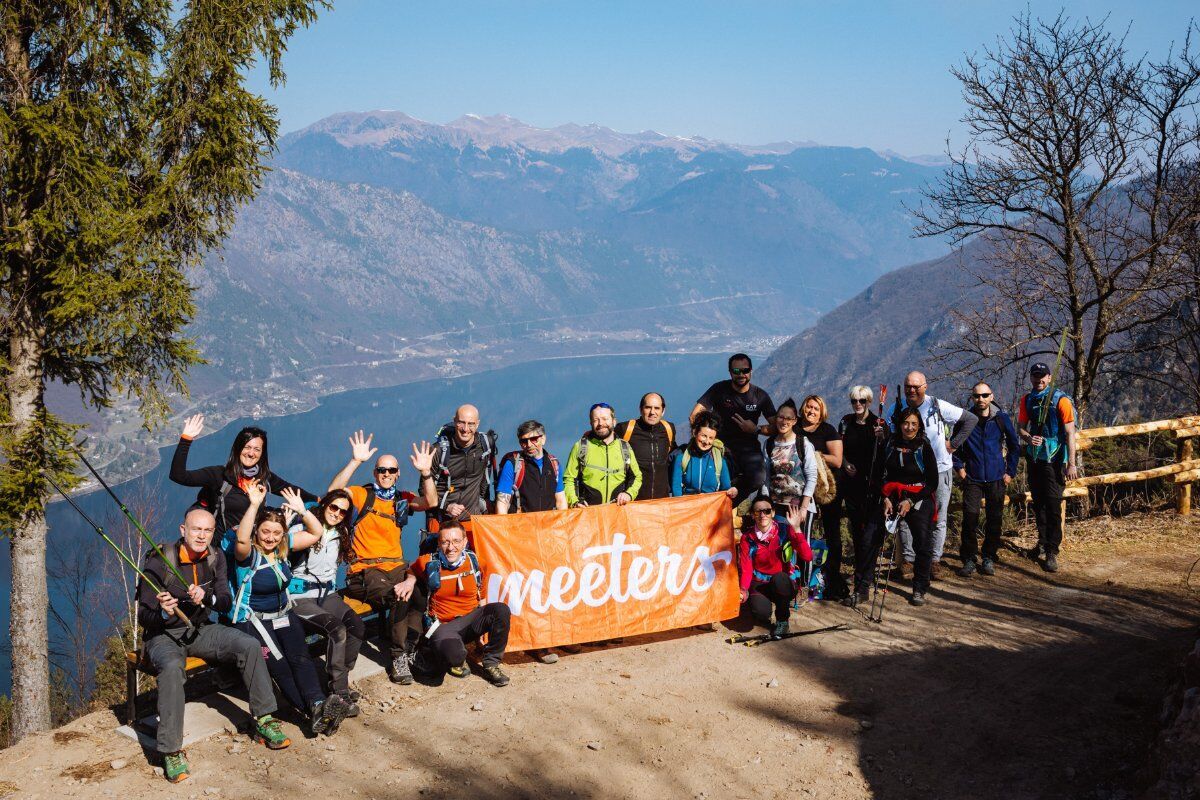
{"x":1183,"y":472}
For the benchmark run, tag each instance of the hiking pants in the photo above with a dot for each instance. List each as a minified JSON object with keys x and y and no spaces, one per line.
{"x":747,"y":471}
{"x":343,"y":631}
{"x":866,"y":533}
{"x":295,"y":674}
{"x":831,"y":529}
{"x":944,"y":487}
{"x":216,"y":644}
{"x":779,"y":592}
{"x":451,"y":638}
{"x":972,"y":493}
{"x":375,"y":588}
{"x":1046,"y":483}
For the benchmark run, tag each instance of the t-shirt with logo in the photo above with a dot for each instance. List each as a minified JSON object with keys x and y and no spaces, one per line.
{"x":723,"y":400}
{"x":458,"y":593}
{"x":376,"y":536}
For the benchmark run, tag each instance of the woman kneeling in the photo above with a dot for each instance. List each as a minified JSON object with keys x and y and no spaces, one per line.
{"x":767,"y":562}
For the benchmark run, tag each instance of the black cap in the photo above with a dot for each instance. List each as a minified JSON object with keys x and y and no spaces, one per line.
{"x":1039,"y":368}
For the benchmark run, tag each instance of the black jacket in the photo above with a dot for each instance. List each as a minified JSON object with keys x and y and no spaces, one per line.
{"x":210,"y":480}
{"x":652,"y":448}
{"x":210,"y":575}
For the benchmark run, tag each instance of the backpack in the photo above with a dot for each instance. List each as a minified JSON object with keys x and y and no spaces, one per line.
{"x":947,"y":430}
{"x":433,"y":579}
{"x":399,"y":517}
{"x":918,"y":452}
{"x":632,"y":424}
{"x":518,"y":462}
{"x":581,"y":458}
{"x":1052,"y":429}
{"x":442,"y":443}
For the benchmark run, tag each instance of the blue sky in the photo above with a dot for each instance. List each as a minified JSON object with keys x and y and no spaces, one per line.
{"x":867,"y":73}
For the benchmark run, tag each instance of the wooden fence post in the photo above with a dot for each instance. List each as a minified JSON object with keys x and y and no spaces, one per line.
{"x":1183,"y":491}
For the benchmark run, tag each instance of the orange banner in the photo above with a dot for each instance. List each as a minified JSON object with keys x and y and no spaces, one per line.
{"x":588,"y":574}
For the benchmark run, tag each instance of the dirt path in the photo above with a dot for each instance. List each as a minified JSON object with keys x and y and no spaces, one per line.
{"x":1025,"y":685}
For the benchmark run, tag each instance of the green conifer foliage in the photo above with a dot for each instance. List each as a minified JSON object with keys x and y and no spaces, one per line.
{"x":128,"y":140}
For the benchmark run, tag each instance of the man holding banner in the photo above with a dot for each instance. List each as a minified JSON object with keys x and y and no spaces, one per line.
{"x":601,"y":468}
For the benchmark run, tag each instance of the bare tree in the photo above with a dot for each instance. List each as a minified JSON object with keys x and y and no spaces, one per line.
{"x":1079,"y":173}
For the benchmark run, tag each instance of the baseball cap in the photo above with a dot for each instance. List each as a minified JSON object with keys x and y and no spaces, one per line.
{"x":1039,"y":368}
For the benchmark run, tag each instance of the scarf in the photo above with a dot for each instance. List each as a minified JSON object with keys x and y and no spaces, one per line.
{"x":251,"y":472}
{"x":765,"y":536}
{"x":385,"y":494}
{"x":445,"y":562}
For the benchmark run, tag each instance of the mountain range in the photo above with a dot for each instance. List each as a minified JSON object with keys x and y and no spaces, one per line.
{"x":382,"y":249}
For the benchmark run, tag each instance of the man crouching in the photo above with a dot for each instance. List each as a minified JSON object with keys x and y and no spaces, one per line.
{"x":457,"y":614}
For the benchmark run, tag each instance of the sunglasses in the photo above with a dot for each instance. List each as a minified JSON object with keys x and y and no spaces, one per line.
{"x":911,"y":388}
{"x":341,"y":511}
{"x":740,"y":370}
{"x":529,"y":439}
{"x":978,"y":395}
{"x":763,"y":512}
{"x":387,"y":470}
{"x":856,"y":401}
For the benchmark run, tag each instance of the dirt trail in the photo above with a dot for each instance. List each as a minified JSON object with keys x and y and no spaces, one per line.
{"x":1025,"y":685}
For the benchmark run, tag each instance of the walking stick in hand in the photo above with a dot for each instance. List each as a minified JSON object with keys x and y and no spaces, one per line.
{"x":124,"y":557}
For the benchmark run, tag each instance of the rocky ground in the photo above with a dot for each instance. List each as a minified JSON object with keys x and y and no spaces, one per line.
{"x":1025,"y":685}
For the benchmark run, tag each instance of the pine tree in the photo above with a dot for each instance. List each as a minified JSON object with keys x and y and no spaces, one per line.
{"x":128,"y":140}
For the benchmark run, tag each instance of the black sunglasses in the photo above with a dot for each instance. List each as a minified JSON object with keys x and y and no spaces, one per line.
{"x":740,"y":370}
{"x":758,"y":512}
{"x":981,"y":394}
{"x":387,"y":470}
{"x":856,"y":400}
{"x":528,"y":439}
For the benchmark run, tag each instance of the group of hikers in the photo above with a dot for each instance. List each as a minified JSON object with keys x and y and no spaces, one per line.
{"x":272,"y":574}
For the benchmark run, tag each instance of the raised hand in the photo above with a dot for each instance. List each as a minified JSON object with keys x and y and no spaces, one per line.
{"x":422,"y":458}
{"x":193,"y":426}
{"x":360,"y":447}
{"x":746,"y":425}
{"x":257,"y":492}
{"x":292,"y":500}
{"x":795,"y":517}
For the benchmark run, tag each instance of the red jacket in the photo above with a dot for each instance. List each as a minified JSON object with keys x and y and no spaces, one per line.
{"x":768,"y":556}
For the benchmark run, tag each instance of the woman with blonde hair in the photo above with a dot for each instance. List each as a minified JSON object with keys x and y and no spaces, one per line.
{"x":263,"y":608}
{"x":827,"y":442}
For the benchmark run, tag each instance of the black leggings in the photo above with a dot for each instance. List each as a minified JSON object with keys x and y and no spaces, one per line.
{"x":920,"y":522}
{"x":778,"y":592}
{"x":295,"y":674}
{"x":343,"y":631}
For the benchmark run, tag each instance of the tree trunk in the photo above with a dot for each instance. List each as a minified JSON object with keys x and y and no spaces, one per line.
{"x":28,"y":626}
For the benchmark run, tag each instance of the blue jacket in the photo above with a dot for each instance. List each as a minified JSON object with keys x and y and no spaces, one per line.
{"x":982,"y":453}
{"x":701,"y":476}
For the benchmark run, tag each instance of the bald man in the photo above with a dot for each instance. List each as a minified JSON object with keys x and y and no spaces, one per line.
{"x":464,"y":468}
{"x":168,"y":643}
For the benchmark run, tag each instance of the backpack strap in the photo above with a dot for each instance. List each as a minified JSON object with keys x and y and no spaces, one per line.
{"x":670,"y":434}
{"x":629,"y":426}
{"x":226,"y":488}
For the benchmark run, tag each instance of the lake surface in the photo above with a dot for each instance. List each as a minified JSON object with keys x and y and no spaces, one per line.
{"x":310,"y":448}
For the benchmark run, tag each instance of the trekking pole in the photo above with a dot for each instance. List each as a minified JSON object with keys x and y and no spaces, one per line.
{"x":149,"y":581}
{"x":885,"y":561}
{"x":153,"y":544}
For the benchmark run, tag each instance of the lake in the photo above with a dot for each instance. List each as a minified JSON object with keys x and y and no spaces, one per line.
{"x":311,"y":447}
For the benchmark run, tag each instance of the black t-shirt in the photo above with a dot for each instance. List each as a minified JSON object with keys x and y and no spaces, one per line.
{"x":821,"y":437}
{"x":725,"y":402}
{"x":858,"y":442}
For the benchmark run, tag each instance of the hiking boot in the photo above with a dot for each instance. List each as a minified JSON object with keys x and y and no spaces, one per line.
{"x":968,"y":569}
{"x":544,"y":656}
{"x":906,"y":570}
{"x":781,"y":627}
{"x":351,"y":698}
{"x":987,"y":567}
{"x":918,"y":599}
{"x":268,"y":731}
{"x":459,"y":671}
{"x":571,"y":649}
{"x":1035,"y":552}
{"x":1051,"y":563}
{"x":935,"y":571}
{"x":494,"y":675}
{"x":401,"y":670}
{"x":175,"y":767}
{"x":327,"y":716}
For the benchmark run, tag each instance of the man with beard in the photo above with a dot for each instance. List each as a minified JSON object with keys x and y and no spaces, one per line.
{"x":740,"y":404}
{"x":601,"y":468}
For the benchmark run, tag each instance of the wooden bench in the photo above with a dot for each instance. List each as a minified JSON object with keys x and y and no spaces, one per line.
{"x":136,"y":662}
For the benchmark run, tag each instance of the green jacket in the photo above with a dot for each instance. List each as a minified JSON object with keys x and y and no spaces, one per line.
{"x":601,"y":473}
